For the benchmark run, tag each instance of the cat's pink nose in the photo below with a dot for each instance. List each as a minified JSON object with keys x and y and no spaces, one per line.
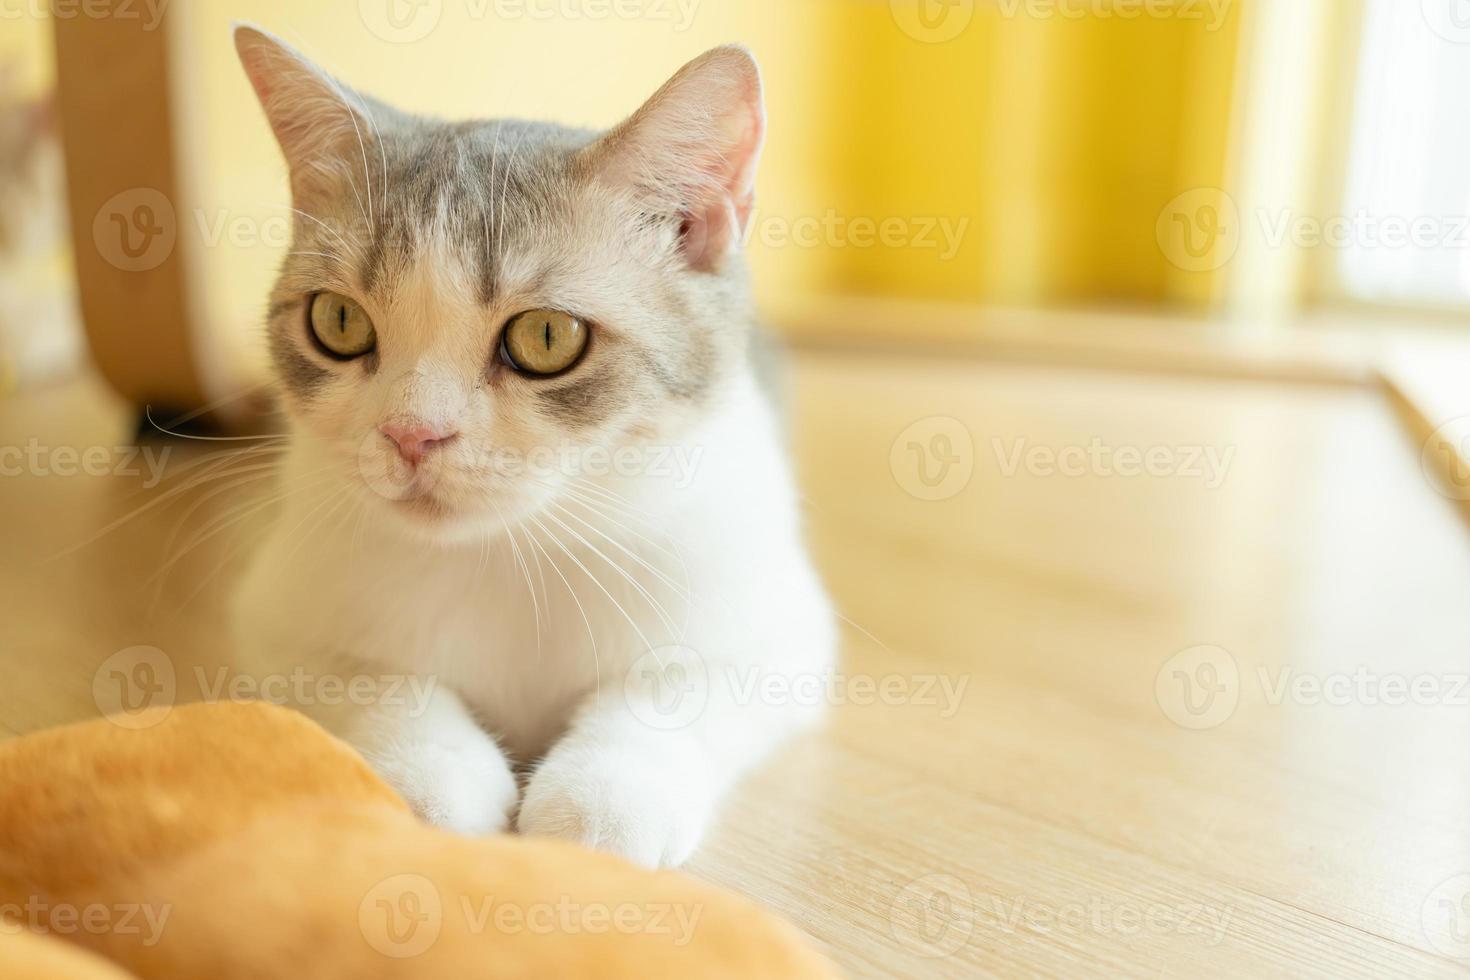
{"x":415,"y":441}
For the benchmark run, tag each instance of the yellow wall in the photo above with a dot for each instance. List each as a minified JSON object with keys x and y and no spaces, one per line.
{"x":1054,"y":142}
{"x":1062,"y":139}
{"x":25,"y":51}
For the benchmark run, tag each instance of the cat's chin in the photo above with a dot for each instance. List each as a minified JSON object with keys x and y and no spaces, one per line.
{"x":430,"y":518}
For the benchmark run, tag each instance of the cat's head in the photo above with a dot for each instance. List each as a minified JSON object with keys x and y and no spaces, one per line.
{"x":473,"y":314}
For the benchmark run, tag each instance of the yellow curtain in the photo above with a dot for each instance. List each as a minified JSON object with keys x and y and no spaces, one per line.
{"x":1060,"y":130}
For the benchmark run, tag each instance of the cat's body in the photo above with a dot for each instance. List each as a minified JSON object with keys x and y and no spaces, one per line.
{"x":595,"y":572}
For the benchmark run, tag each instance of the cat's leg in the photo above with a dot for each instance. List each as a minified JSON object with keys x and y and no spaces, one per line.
{"x":433,"y":752}
{"x":643,"y":765}
{"x":414,"y":730}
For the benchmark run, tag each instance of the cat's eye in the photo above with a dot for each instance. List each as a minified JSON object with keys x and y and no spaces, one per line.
{"x":341,"y":325}
{"x":543,"y":342}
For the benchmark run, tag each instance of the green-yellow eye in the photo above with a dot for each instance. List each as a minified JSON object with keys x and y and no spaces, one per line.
{"x":544,"y":341}
{"x":341,"y":325}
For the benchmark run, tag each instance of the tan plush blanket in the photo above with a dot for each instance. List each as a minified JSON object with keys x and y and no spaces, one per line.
{"x":240,"y":840}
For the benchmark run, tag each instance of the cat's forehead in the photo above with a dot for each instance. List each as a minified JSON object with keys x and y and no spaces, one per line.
{"x":474,"y":192}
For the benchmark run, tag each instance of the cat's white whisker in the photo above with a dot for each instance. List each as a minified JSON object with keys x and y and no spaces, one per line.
{"x":526,"y":572}
{"x":653,"y":603}
{"x":165,"y":497}
{"x":681,"y":590}
{"x":594,"y":506}
{"x":226,"y":521}
{"x":638,"y":630}
{"x":234,"y":551}
{"x":591,"y":633}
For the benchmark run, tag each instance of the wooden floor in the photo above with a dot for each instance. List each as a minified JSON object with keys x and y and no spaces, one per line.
{"x":1092,"y":724}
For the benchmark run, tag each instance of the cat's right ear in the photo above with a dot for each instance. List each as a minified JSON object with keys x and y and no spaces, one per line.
{"x":692,"y":151}
{"x":317,"y":122}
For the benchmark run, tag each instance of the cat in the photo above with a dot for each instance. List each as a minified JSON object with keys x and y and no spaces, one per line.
{"x":530,"y":464}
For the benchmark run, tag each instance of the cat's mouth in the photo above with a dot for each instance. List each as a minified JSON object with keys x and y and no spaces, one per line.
{"x":426,"y":506}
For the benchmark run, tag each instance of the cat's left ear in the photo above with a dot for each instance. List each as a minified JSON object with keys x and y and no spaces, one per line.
{"x":318,"y":124}
{"x":692,"y":151}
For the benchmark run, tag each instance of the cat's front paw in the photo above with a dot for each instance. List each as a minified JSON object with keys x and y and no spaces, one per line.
{"x":466,"y":787}
{"x":627,"y":808}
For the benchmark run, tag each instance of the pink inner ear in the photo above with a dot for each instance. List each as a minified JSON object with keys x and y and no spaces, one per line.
{"x":709,"y":233}
{"x":693,"y":148}
{"x":714,"y":226}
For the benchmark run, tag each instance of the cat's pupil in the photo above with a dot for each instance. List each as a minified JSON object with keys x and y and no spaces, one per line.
{"x":548,"y":334}
{"x":342,"y":319}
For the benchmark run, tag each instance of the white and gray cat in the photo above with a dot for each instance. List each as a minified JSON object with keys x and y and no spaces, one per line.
{"x":530,"y":465}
